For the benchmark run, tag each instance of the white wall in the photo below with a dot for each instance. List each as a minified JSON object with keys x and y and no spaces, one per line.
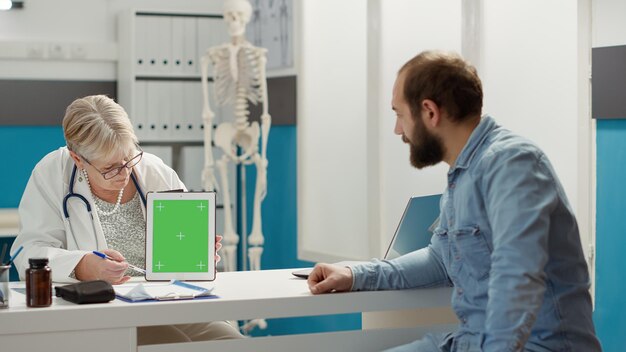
{"x":354,"y":177}
{"x":354,"y":183}
{"x":609,"y":27}
{"x":407,"y":28}
{"x":530,"y":76}
{"x":332,"y":164}
{"x":535,"y":72}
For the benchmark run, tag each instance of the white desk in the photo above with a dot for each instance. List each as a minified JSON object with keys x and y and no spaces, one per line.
{"x":244,"y":295}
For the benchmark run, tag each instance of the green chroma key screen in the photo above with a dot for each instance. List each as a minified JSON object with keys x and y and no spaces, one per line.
{"x":180,"y":236}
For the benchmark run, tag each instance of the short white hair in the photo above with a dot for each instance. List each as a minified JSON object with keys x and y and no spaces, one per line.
{"x":96,"y":127}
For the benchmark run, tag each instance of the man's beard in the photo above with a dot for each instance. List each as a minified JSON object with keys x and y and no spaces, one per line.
{"x":426,"y":148}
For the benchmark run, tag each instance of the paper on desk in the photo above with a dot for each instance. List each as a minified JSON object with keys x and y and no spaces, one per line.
{"x":157,"y":291}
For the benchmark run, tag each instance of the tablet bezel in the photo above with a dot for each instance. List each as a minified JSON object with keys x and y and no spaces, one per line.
{"x":190,"y":276}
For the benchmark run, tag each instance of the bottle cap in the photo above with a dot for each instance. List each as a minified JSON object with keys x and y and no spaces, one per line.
{"x":38,"y":261}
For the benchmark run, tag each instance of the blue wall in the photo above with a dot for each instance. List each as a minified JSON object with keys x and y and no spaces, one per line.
{"x":610,"y":312}
{"x":23,"y":148}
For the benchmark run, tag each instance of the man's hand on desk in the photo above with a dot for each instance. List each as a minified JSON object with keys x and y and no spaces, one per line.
{"x":329,"y":278}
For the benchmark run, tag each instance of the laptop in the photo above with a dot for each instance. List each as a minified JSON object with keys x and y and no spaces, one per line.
{"x":418,"y":221}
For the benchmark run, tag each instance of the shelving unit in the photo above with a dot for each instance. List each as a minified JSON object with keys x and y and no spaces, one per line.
{"x":159,"y":72}
{"x":159,"y":86}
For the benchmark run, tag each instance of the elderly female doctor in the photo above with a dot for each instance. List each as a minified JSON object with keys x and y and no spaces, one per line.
{"x":91,"y":195}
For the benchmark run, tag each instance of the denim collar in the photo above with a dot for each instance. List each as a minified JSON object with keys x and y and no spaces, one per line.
{"x":486,"y":125}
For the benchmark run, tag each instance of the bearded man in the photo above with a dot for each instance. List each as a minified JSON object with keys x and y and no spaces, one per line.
{"x":507,"y":241}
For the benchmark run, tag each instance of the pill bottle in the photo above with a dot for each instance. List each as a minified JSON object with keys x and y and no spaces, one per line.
{"x":38,"y":283}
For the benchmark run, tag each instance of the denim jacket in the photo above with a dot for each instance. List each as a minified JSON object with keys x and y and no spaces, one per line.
{"x":508,"y":243}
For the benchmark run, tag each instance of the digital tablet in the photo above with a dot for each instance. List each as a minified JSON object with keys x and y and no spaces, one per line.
{"x":180,"y":236}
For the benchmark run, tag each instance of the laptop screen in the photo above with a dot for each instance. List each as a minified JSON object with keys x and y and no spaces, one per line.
{"x":415,"y":227}
{"x":414,"y":230}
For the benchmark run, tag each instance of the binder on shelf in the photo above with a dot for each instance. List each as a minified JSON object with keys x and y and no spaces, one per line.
{"x":177,"y":120}
{"x":190,"y":51}
{"x":192,"y":110}
{"x":203,"y":36}
{"x":178,"y":63}
{"x":197,"y":107}
{"x":163,"y":94}
{"x":152,"y":116}
{"x":164,"y":89}
{"x":140,"y":106}
{"x":164,"y":44}
{"x":186,"y":129}
{"x":152,"y":45}
{"x":141,"y":41}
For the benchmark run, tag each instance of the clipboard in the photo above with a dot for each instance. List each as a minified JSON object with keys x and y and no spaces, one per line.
{"x":173,"y":291}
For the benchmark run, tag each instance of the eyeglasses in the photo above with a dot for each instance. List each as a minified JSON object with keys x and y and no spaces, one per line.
{"x":109,"y":174}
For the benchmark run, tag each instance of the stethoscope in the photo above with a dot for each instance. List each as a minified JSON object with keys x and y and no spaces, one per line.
{"x":71,"y":194}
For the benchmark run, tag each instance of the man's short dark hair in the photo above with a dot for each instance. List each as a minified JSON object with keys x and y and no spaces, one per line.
{"x":445,"y":78}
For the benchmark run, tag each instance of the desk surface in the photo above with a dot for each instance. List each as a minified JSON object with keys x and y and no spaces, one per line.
{"x":243,"y":295}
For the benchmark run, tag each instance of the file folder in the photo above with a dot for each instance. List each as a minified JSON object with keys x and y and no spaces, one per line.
{"x":174,"y":290}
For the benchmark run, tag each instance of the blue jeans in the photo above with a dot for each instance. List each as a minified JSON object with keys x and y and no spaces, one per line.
{"x":443,"y":343}
{"x":428,"y":343}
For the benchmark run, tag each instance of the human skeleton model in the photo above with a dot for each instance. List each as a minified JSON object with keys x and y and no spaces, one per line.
{"x":239,"y":78}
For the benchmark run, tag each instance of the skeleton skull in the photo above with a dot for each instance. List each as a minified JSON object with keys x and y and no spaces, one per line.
{"x":237,"y":14}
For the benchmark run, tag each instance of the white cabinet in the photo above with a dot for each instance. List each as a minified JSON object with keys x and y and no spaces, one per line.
{"x":159,"y":72}
{"x":159,"y":86}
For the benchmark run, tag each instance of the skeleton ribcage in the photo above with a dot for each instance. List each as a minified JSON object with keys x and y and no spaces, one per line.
{"x":248,"y":75}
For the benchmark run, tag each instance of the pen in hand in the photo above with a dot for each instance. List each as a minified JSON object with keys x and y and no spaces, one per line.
{"x":104,"y":256}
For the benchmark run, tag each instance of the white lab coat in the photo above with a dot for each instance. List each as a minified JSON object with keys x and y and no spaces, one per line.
{"x":44,"y":231}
